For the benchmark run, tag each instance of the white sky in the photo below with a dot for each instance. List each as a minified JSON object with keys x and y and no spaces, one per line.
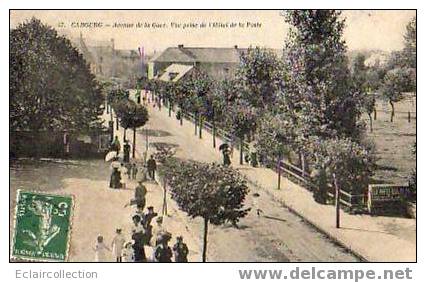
{"x":382,"y":29}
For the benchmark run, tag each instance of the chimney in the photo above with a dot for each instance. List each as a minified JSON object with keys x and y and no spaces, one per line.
{"x":180,"y":46}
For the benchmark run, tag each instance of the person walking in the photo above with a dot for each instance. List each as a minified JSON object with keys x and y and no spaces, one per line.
{"x":162,"y":252}
{"x":126,"y":152}
{"x":134,"y":171}
{"x":138,"y":247}
{"x":115,"y":180}
{"x":147,"y":218}
{"x":226,"y":157}
{"x":117,"y":245}
{"x":152,"y":167}
{"x":180,"y":250}
{"x":115,"y":145}
{"x":140,"y":195}
{"x":101,"y":250}
{"x":157,"y":231}
{"x":137,"y":226}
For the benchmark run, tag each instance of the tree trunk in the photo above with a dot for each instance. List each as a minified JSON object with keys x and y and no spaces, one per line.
{"x":181,"y":117}
{"x":241,"y":150}
{"x":195,"y":123}
{"x":375,"y":114}
{"x":116,"y":122}
{"x":206,"y":229}
{"x":393,"y":110}
{"x":134,"y":143}
{"x":279,"y":172}
{"x":124,"y":135}
{"x":164,"y":210}
{"x":170,"y":109}
{"x":214,"y":134}
{"x":213,"y":129}
{"x":337,"y":201}
{"x":409,"y":116}
{"x":146,"y":141}
{"x":371,"y":122}
{"x":302,"y":157}
{"x":200,"y":127}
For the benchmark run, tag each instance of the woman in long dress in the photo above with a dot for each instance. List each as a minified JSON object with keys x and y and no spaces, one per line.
{"x":101,"y":250}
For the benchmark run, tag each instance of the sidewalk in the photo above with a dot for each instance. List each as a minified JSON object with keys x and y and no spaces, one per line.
{"x":375,"y":238}
{"x":176,"y":222}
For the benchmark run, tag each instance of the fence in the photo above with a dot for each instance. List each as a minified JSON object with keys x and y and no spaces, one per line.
{"x":294,"y":173}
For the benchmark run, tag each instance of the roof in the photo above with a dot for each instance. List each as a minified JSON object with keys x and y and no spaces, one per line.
{"x":198,"y":54}
{"x":179,"y":70}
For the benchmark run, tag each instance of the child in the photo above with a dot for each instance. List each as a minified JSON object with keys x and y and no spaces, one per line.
{"x":101,"y":250}
{"x":128,"y":253}
{"x":117,"y":245}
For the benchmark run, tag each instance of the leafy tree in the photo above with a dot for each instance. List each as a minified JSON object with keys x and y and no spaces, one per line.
{"x":275,"y":138}
{"x":210,"y":191}
{"x":131,"y":115}
{"x":344,"y":163}
{"x":410,"y":44}
{"x":395,"y":82}
{"x":319,"y":88}
{"x":259,"y":77}
{"x":51,"y":87}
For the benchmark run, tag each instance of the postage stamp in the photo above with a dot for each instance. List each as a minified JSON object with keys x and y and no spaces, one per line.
{"x":42,"y":226}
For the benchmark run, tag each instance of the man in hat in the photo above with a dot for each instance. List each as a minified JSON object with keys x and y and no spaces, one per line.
{"x":180,"y":250}
{"x":147,"y":218}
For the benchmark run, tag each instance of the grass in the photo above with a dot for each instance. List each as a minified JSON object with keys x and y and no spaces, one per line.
{"x":394,"y":141}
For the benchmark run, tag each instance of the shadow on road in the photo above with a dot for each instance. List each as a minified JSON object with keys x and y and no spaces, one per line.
{"x":154,"y":132}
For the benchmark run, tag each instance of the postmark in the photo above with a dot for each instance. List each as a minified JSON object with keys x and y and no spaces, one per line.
{"x":42,"y":226}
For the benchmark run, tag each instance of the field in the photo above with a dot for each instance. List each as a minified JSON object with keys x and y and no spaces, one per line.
{"x":394,"y":141}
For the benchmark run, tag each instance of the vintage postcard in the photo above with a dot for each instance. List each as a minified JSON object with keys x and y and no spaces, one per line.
{"x":213,"y":135}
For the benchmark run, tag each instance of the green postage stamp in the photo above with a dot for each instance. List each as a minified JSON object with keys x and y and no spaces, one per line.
{"x":42,"y":226}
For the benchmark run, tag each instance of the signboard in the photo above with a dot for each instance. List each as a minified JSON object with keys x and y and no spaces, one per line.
{"x":384,"y":195}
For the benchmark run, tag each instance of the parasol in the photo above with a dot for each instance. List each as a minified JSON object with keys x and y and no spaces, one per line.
{"x":110,"y":156}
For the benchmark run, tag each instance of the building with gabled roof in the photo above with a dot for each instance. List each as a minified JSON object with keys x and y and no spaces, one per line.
{"x":218,"y":63}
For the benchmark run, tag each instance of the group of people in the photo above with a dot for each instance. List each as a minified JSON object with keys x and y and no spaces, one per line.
{"x":143,"y":234}
{"x":128,"y":169}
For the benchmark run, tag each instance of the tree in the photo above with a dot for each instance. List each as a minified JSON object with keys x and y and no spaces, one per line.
{"x":319,"y":89}
{"x":194,"y":88}
{"x":210,"y":191}
{"x":369,"y":103}
{"x":51,"y":87}
{"x":275,"y":138}
{"x":395,"y":82}
{"x":259,"y":77}
{"x":344,"y":163}
{"x":132,"y":115}
{"x":410,"y":44}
